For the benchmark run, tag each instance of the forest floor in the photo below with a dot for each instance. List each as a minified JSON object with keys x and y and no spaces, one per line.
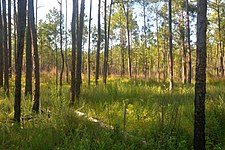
{"x":135,"y":114}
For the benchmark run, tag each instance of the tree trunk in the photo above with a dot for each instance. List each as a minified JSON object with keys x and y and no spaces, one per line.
{"x":89,"y":46}
{"x":6,"y":52}
{"x":61,"y":50}
{"x":74,"y":46}
{"x":105,"y":65}
{"x":56,"y":60}
{"x":79,"y":50}
{"x":188,"y":43}
{"x":28,"y":85}
{"x":36,"y":97}
{"x":200,"y":85}
{"x":217,"y":60}
{"x":126,"y":12}
{"x":220,"y":40}
{"x":1,"y":50}
{"x":184,"y":70}
{"x":170,"y":47}
{"x":158,"y":55}
{"x":98,"y":44}
{"x":66,"y":47}
{"x":20,"y":46}
{"x":145,"y":40}
{"x":122,"y":45}
{"x":10,"y":38}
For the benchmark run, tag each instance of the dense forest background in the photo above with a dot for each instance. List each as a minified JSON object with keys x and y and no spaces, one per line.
{"x":134,"y":79}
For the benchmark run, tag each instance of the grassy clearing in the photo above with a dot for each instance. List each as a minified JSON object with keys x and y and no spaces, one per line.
{"x":163,"y":119}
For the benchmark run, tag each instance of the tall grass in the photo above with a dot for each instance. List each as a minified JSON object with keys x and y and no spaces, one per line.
{"x":155,"y":118}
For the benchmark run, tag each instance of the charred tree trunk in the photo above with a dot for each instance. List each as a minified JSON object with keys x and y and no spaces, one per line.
{"x":105,"y":65}
{"x":28,"y":85}
{"x":170,"y":47}
{"x":1,"y":50}
{"x":61,"y":50}
{"x":98,"y":44}
{"x":66,"y":47}
{"x":89,"y":46}
{"x":20,"y":46}
{"x":10,"y":38}
{"x":220,"y":40}
{"x":188,"y":43}
{"x":6,"y":52}
{"x":79,"y":50}
{"x":200,"y":85}
{"x":74,"y":46}
{"x":56,"y":60}
{"x":36,"y":97}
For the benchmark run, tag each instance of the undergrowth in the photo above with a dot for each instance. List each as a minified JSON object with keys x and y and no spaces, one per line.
{"x":144,"y":114}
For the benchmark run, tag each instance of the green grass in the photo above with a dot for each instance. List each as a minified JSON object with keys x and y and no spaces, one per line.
{"x":163,"y":119}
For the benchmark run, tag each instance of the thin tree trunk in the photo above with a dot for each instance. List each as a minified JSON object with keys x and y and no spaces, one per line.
{"x":98,"y":44}
{"x":122,"y":45}
{"x":170,"y":48}
{"x":20,"y":46}
{"x":28,"y":85}
{"x":66,"y":47}
{"x":145,"y":40}
{"x":36,"y":97}
{"x":6,"y":52}
{"x":10,"y":38}
{"x":200,"y":85}
{"x":188,"y":43}
{"x":15,"y":32}
{"x":74,"y":46}
{"x":56,"y":59}
{"x":79,"y":50}
{"x":89,"y":45}
{"x":1,"y":50}
{"x":128,"y":37}
{"x":105,"y":65}
{"x":220,"y":40}
{"x":184,"y":69}
{"x":217,"y":60}
{"x":158,"y":55}
{"x":61,"y":50}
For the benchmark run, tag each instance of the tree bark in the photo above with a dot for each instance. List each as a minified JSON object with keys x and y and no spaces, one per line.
{"x":74,"y":46}
{"x":220,"y":40}
{"x":170,"y":48}
{"x":61,"y":50}
{"x":1,"y":50}
{"x":56,"y":59}
{"x":20,"y":46}
{"x":200,"y":85}
{"x":79,"y":50}
{"x":145,"y":40}
{"x":10,"y":38}
{"x":28,"y":85}
{"x":66,"y":47}
{"x":126,"y":12}
{"x":98,"y":44}
{"x":158,"y":55}
{"x":105,"y":65}
{"x":15,"y":31}
{"x":36,"y":97}
{"x":184,"y":68}
{"x":89,"y":46}
{"x":6,"y":52}
{"x":188,"y":43}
